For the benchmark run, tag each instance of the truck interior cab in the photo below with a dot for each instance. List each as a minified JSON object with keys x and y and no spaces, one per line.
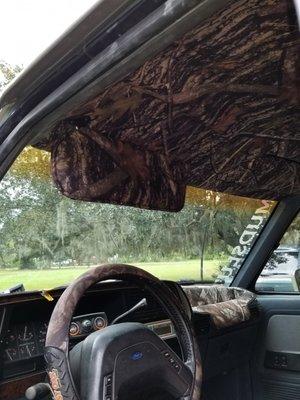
{"x":149,"y":207}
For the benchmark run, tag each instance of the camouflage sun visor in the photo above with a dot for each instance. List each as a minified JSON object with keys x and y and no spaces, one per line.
{"x":86,"y":165}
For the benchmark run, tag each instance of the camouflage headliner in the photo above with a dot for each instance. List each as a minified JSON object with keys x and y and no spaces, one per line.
{"x":222,"y":103}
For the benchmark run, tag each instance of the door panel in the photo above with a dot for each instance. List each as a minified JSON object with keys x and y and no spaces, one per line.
{"x":281,"y":339}
{"x":276,"y":367}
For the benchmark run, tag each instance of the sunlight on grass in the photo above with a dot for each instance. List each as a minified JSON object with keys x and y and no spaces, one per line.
{"x":50,"y":278}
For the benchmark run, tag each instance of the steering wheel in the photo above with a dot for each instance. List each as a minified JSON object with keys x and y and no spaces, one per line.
{"x":124,"y":361}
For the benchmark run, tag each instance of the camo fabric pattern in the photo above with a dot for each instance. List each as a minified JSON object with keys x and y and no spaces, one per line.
{"x":86,"y":165}
{"x":226,"y":306}
{"x":222,"y":104}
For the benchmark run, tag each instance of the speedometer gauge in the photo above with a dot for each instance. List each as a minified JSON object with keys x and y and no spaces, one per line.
{"x":41,"y":331}
{"x":10,"y":338}
{"x":25,"y":334}
{"x":28,"y":350}
{"x":11,"y":354}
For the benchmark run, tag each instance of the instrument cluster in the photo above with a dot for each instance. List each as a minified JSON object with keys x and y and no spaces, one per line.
{"x":27,"y":340}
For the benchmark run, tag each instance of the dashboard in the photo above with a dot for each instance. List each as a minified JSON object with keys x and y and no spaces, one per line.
{"x":27,"y":340}
{"x":24,"y":319}
{"x":24,"y":330}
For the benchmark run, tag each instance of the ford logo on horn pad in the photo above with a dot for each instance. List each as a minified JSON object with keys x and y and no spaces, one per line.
{"x":137,"y":355}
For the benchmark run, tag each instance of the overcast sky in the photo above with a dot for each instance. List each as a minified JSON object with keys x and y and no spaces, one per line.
{"x":27,"y":27}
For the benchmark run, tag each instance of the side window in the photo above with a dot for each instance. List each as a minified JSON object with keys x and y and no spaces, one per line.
{"x":282,"y":271}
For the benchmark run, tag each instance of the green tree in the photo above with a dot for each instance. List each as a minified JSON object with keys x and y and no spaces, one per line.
{"x":7,"y":73}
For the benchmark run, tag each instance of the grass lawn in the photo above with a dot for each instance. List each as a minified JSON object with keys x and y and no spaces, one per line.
{"x":50,"y":278}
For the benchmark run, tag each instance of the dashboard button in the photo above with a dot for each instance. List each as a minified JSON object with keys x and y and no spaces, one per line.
{"x":176,"y":366}
{"x":108,"y":387}
{"x":74,"y":329}
{"x":108,"y":390}
{"x":86,"y":325}
{"x":99,"y":323}
{"x":167,"y":354}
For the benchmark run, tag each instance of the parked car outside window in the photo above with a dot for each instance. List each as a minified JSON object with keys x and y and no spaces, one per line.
{"x":281,"y":273}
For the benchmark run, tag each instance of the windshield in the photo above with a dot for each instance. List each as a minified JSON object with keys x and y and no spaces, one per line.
{"x":47,"y":240}
{"x":281,"y":262}
{"x":39,"y":24}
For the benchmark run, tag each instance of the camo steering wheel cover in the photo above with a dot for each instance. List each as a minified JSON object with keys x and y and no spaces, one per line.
{"x":57,"y":340}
